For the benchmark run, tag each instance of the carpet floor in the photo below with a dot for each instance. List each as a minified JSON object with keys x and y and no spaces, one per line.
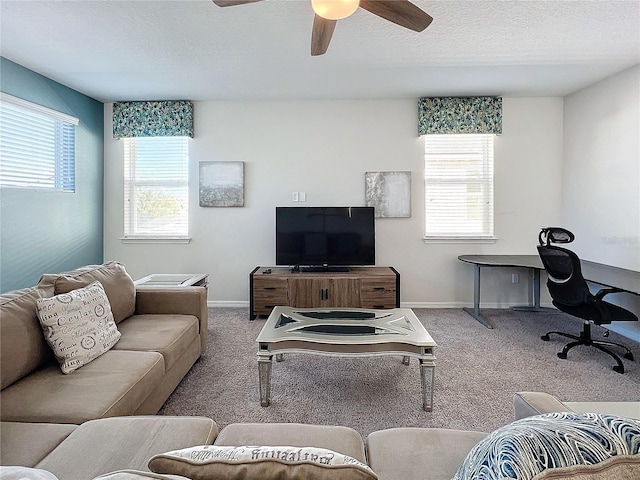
{"x":478,"y":371}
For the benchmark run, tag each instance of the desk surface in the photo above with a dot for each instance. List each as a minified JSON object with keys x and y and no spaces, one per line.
{"x":607,"y":275}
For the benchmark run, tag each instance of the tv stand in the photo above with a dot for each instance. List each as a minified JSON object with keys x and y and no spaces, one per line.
{"x":320,"y":268}
{"x":358,"y":287}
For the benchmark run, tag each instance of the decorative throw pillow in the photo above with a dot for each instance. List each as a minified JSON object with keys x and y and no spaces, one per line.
{"x":265,"y":462}
{"x":537,"y":445}
{"x":25,"y":473}
{"x":78,"y":325}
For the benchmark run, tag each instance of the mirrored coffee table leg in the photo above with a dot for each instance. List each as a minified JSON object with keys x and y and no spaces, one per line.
{"x":427,"y":377}
{"x":264,"y":378}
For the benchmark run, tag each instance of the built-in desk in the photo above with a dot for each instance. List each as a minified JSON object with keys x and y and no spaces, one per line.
{"x":607,"y":275}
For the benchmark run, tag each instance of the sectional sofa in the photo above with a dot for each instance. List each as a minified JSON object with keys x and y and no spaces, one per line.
{"x":126,"y":448}
{"x":97,"y":421}
{"x":162,"y":332}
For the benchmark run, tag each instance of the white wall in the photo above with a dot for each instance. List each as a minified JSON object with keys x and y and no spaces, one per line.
{"x":601,"y":171}
{"x":601,"y":178}
{"x":324,"y":148}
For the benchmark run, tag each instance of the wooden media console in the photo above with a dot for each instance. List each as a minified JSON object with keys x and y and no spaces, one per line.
{"x":360,"y":287}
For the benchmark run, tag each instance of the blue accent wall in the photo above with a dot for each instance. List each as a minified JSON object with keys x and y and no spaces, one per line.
{"x":44,"y":231}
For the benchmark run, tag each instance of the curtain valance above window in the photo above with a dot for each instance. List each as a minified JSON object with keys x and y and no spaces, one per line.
{"x":456,"y":115}
{"x":173,"y":118}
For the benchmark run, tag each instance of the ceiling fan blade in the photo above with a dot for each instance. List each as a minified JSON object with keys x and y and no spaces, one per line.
{"x":230,"y":3}
{"x":400,"y":12}
{"x":321,"y":36}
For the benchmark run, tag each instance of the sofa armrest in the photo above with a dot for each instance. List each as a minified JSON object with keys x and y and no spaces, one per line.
{"x":181,"y":301}
{"x":526,"y":404}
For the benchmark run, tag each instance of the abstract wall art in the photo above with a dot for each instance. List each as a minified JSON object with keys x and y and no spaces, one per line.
{"x":221,"y":184}
{"x":389,"y":193}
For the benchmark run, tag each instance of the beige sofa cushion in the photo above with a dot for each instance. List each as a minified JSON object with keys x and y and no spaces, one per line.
{"x":24,"y":443}
{"x":616,"y":468}
{"x":117,"y":284}
{"x":22,"y":346}
{"x":622,"y":409}
{"x":78,"y":326}
{"x":527,"y":404}
{"x":419,"y":453}
{"x":170,"y":335}
{"x":264,"y":462}
{"x":337,"y":438}
{"x":115,"y":383}
{"x":110,"y":444}
{"x":179,"y":301}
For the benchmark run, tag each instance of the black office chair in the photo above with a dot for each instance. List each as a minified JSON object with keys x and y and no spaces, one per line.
{"x":570,"y":294}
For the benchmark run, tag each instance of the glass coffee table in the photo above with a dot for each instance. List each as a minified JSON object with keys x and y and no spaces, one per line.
{"x":346,"y":332}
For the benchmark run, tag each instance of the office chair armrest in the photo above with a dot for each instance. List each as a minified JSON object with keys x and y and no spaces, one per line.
{"x":595,"y":302}
{"x":606,"y":291}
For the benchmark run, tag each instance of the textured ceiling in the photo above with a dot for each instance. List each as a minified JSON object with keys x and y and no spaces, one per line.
{"x":143,"y":50}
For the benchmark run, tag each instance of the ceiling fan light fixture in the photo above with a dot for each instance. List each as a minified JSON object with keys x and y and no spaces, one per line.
{"x":334,"y":9}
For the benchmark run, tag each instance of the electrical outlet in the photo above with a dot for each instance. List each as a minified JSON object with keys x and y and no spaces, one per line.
{"x":303,"y":196}
{"x":515,"y":278}
{"x":295,"y":196}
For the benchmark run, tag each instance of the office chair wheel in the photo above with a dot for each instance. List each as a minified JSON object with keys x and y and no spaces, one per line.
{"x":629,"y":356}
{"x":562,"y":355}
{"x":618,"y":368}
{"x":545,"y":337}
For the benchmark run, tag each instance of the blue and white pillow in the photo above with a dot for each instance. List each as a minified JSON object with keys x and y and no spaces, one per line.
{"x":527,"y":447}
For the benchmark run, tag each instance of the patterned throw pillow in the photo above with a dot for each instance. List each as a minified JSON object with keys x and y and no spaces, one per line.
{"x":78,"y":325}
{"x":265,"y":463}
{"x":534,"y":447}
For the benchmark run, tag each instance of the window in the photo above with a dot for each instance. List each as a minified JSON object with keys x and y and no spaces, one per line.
{"x":37,"y":146}
{"x":156,"y":188}
{"x":458,"y":187}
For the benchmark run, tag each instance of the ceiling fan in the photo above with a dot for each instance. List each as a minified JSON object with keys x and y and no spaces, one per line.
{"x":328,"y":12}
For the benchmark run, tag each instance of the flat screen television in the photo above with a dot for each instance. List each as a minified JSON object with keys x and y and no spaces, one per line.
{"x":325,"y":238}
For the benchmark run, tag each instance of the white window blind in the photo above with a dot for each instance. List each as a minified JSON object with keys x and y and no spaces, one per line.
{"x":156,"y":193}
{"x":37,"y":146}
{"x":459,"y":187}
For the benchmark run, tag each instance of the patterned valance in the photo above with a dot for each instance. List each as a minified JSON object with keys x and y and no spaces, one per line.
{"x":453,"y":115}
{"x":172,"y":118}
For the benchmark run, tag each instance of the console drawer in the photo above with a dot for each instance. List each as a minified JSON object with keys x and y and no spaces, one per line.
{"x":269,"y":292}
{"x":379,"y":302}
{"x":378,"y":292}
{"x":378,"y":286}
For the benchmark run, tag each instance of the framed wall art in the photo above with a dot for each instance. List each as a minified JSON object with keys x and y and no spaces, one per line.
{"x":221,"y":184}
{"x":389,"y":193}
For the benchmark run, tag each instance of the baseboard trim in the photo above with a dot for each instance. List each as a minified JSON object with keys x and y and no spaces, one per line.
{"x":241,"y":304}
{"x":433,"y":304}
{"x":463,"y":305}
{"x":227,"y":304}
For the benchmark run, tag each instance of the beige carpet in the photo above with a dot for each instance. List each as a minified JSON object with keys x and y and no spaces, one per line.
{"x":477,"y":372}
